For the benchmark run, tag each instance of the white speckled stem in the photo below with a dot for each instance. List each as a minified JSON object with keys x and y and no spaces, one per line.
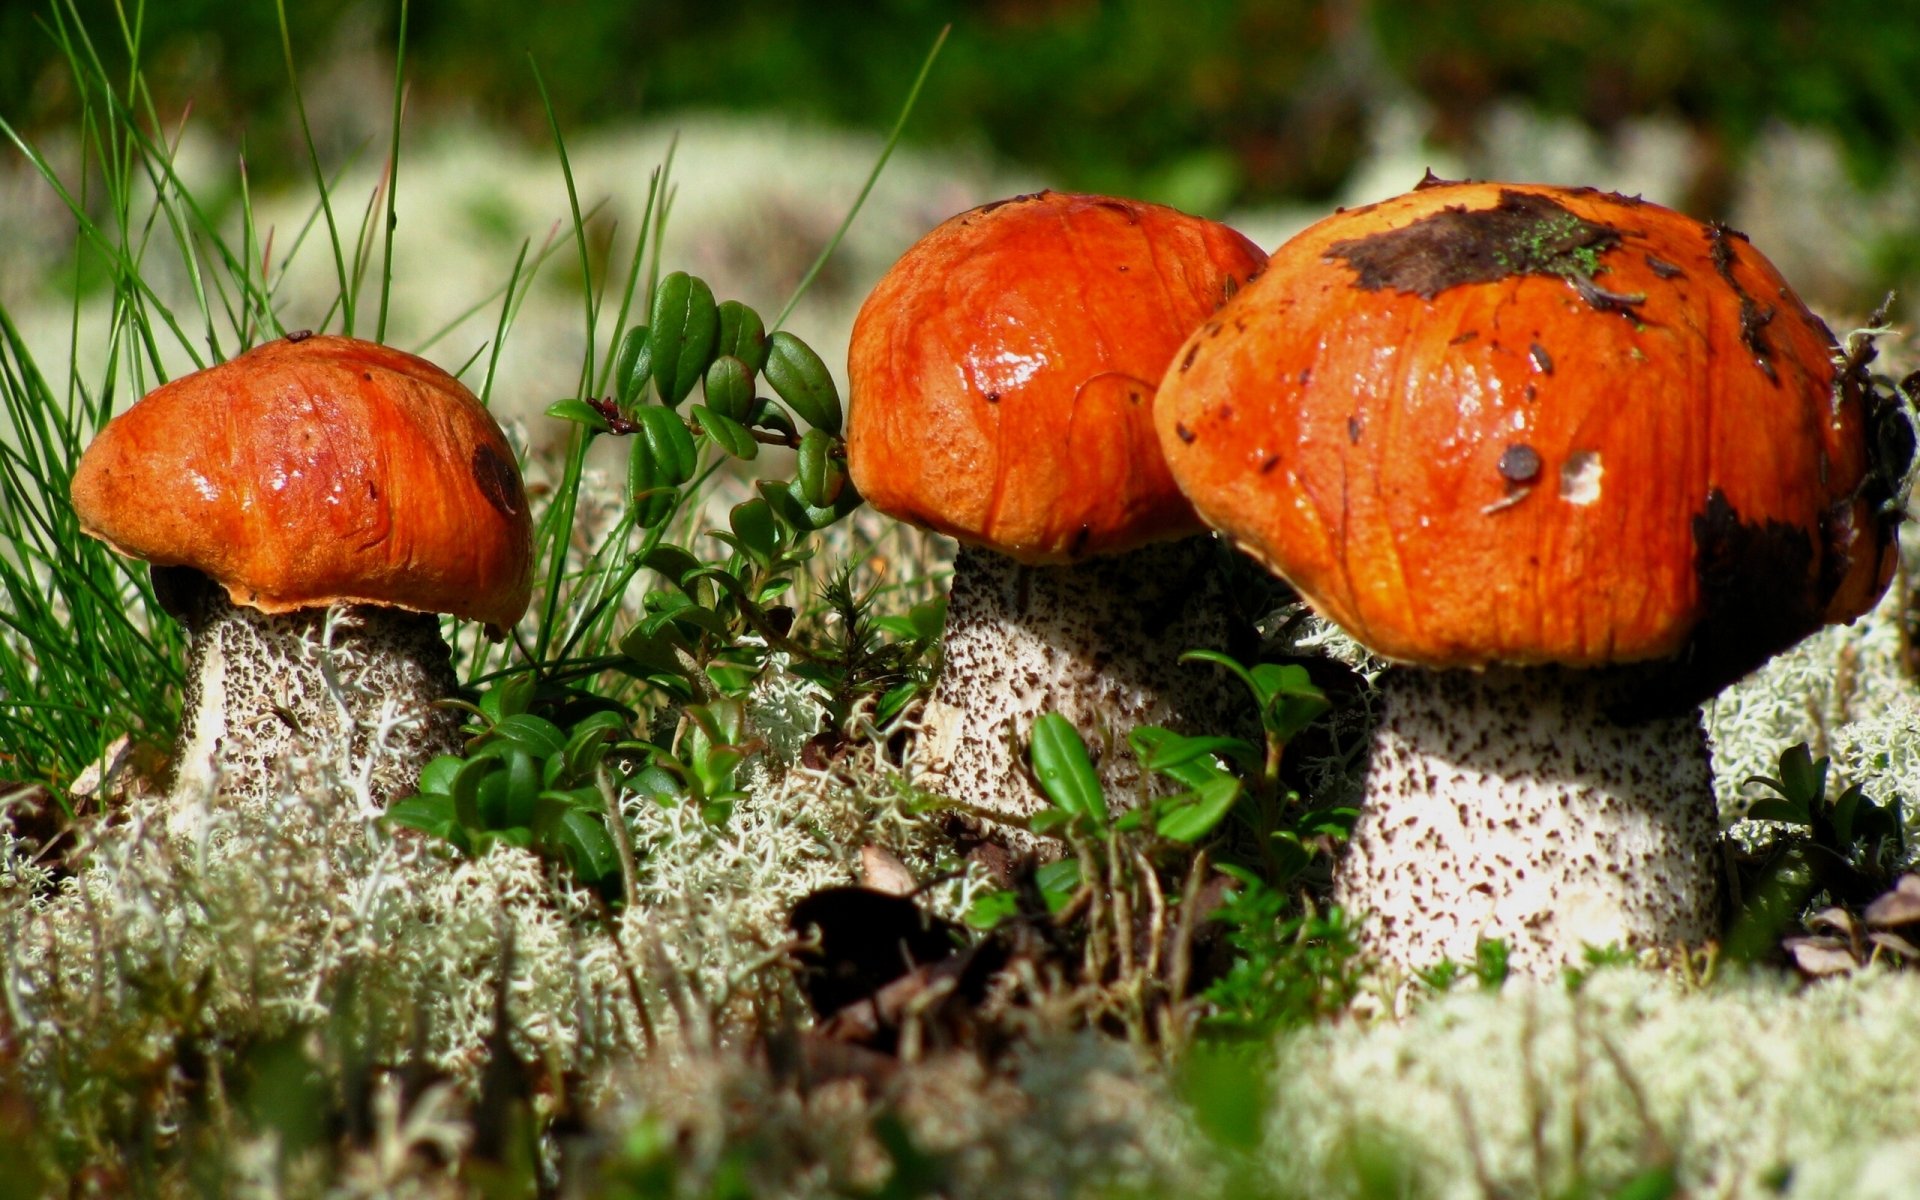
{"x":1505,"y":804}
{"x":258,"y":702}
{"x":1098,"y":642}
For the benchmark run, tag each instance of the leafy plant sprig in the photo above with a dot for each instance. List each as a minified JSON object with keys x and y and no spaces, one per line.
{"x":1219,"y":777}
{"x":526,"y":781}
{"x":1845,"y":848}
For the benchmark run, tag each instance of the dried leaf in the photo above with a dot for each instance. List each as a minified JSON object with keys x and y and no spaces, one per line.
{"x":1901,"y":906}
{"x":1820,"y":956}
{"x":882,"y":870}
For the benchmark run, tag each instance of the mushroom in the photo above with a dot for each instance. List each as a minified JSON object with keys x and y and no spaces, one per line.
{"x":1001,"y":380}
{"x":1576,"y":462}
{"x":307,"y":507}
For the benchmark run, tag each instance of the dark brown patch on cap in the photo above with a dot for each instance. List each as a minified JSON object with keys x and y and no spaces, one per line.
{"x":498,"y":481}
{"x":1523,"y":234}
{"x":1758,"y":596}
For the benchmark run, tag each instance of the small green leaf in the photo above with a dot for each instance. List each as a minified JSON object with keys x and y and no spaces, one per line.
{"x":648,"y":490}
{"x":437,"y":775}
{"x":589,"y":847}
{"x":672,"y":563}
{"x":730,"y":435}
{"x":588,"y":742}
{"x":803,"y":381}
{"x":768,"y":415}
{"x":536,"y":735}
{"x":729,"y":388}
{"x":791,"y":510}
{"x":579,"y":412}
{"x":990,"y":908}
{"x":1188,"y":759}
{"x":667,"y":436}
{"x":632,"y":367}
{"x":1289,"y":701}
{"x":512,"y":694}
{"x":743,"y":335}
{"x":686,"y":324}
{"x":817,"y":473}
{"x":1778,"y":810}
{"x":1843,"y":811}
{"x":429,"y":812}
{"x":1058,"y":881}
{"x":466,"y":789}
{"x":1065,"y":772}
{"x":1803,"y":780}
{"x":753,"y":525}
{"x":656,"y":651}
{"x":1203,"y":810}
{"x":505,"y":798}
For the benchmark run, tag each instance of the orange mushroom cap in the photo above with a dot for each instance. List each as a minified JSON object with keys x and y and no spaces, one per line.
{"x":315,"y":471}
{"x":1001,"y":376}
{"x":1485,"y":423}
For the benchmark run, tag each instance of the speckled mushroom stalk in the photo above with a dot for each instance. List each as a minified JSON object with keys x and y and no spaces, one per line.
{"x":268,"y":693}
{"x":1098,"y":642}
{"x":1576,"y":462}
{"x":1509,"y":803}
{"x":1001,"y":385}
{"x":308,"y":506}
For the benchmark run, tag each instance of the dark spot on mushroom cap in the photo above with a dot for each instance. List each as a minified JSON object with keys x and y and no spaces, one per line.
{"x":1523,"y":234}
{"x":993,"y":397}
{"x":497,"y":481}
{"x":1542,"y":361}
{"x":1187,"y":360}
{"x":1662,"y":267}
{"x":1759,"y":594}
{"x":1353,"y":430}
{"x":1519,"y":463}
{"x":1186,"y":435}
{"x":299,"y":335}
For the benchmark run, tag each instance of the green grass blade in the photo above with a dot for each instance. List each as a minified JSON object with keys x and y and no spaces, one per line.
{"x":873,"y":176}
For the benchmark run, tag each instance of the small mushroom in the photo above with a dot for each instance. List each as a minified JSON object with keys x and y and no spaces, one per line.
{"x":1001,"y":385}
{"x":307,"y":507}
{"x":1697,"y":493}
{"x":1900,"y":906}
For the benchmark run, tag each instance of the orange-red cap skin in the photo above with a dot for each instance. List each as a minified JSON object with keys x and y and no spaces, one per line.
{"x":1488,"y":423}
{"x":317,"y":471}
{"x":1002,"y":374}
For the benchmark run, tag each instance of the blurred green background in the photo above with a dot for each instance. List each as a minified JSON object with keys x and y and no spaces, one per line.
{"x":1209,"y":103}
{"x":1270,"y":95}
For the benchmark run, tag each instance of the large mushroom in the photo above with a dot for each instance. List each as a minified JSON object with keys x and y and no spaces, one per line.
{"x":308,"y":506}
{"x":1575,"y":460}
{"x":1001,"y":381}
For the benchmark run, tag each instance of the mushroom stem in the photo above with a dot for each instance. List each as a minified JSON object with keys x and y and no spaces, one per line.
{"x":1098,"y":642}
{"x":1506,"y":804}
{"x":265,"y":690}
